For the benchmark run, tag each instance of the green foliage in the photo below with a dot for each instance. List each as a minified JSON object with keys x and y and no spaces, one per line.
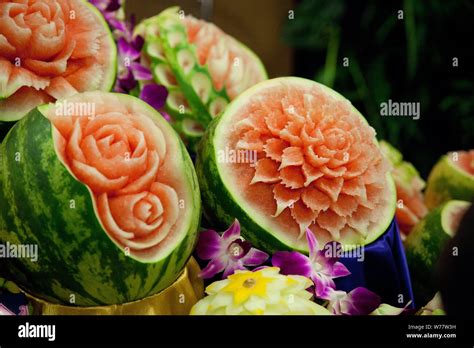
{"x":407,"y":59}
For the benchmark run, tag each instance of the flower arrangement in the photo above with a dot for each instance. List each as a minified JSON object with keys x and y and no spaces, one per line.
{"x":131,"y":71}
{"x":265,"y":289}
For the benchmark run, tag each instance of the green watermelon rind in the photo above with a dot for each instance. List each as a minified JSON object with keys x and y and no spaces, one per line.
{"x":222,"y":207}
{"x":219,"y":206}
{"x":446,"y":182}
{"x":405,"y":173}
{"x":98,"y":268}
{"x":425,"y":244}
{"x":200,"y":109}
{"x":391,"y":152}
{"x":108,"y":81}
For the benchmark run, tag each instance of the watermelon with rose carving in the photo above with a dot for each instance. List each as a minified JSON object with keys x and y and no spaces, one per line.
{"x":104,"y":187}
{"x":49,"y":50}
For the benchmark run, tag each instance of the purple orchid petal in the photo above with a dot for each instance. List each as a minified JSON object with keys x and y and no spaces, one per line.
{"x":328,"y":259}
{"x":254,"y":257}
{"x":113,"y":5}
{"x":119,"y":25}
{"x":332,"y":250}
{"x":209,"y":245}
{"x":330,"y":266}
{"x":127,"y":82}
{"x":237,"y":249}
{"x":214,"y":267}
{"x":155,"y":95}
{"x":312,"y":244}
{"x":321,"y":266}
{"x":24,"y":310}
{"x":140,"y":72}
{"x":227,"y":252}
{"x":118,"y":88}
{"x":292,"y":262}
{"x":335,"y":297}
{"x":325,"y":262}
{"x":232,"y":267}
{"x":107,"y":5}
{"x":339,"y":270}
{"x":109,"y":17}
{"x":260,"y":268}
{"x":233,"y":232}
{"x":5,"y":311}
{"x":324,"y":286}
{"x":132,"y":21}
{"x":138,"y":42}
{"x":100,"y":4}
{"x":126,"y":50}
{"x":165,"y":115}
{"x":360,"y":301}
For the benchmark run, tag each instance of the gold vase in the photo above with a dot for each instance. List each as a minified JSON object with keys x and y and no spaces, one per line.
{"x":177,"y":299}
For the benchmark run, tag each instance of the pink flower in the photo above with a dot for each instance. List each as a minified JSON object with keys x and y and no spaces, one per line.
{"x":320,"y":267}
{"x":360,"y":301}
{"x":227,"y":252}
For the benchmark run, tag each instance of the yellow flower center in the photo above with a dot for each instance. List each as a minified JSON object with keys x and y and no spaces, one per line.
{"x":242,"y":285}
{"x":248,"y":283}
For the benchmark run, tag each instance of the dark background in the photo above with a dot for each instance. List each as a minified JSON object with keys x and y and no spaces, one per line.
{"x":405,"y":60}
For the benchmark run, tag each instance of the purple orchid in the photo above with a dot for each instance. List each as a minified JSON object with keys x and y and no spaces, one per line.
{"x":6,"y":311}
{"x":155,"y":95}
{"x":360,"y":301}
{"x":227,"y":252}
{"x":320,"y":267}
{"x":105,"y":6}
{"x":110,"y":9}
{"x":130,"y":67}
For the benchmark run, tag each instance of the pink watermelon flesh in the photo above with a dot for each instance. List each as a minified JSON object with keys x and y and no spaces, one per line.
{"x":413,"y":208}
{"x":127,"y":161}
{"x":465,"y":161}
{"x":230,"y":64}
{"x":318,"y":162}
{"x":49,"y":50}
{"x":455,"y":216}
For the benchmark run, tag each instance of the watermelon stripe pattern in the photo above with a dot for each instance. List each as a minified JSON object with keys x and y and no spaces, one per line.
{"x":42,"y":204}
{"x":449,"y":180}
{"x":426,"y":243}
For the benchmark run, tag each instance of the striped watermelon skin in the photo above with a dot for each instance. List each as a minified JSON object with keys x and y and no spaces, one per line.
{"x":75,"y":254}
{"x":423,"y":249}
{"x":447,"y":182}
{"x":218,"y":204}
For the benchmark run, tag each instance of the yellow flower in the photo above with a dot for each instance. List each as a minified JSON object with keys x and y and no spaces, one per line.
{"x":261,"y":292}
